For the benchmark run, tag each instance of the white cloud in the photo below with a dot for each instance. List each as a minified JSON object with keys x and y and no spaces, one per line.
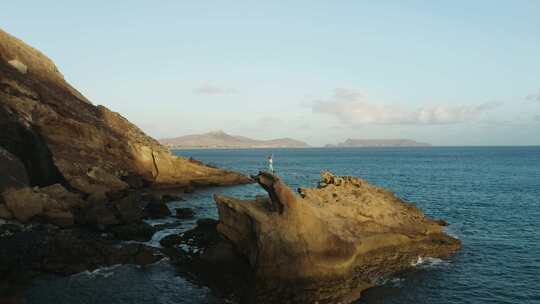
{"x":210,"y":89}
{"x":352,"y":108}
{"x":533,"y":97}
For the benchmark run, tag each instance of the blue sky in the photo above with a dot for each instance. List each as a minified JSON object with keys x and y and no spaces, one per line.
{"x":449,"y":73}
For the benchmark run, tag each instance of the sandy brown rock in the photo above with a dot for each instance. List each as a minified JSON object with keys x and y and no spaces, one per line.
{"x":54,"y":203}
{"x":25,"y":203}
{"x":329,"y":243}
{"x":5,"y":213}
{"x":61,"y":137}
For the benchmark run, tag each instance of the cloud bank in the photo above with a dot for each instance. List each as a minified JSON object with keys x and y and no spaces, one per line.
{"x":210,"y":89}
{"x":533,"y":97}
{"x":352,"y":108}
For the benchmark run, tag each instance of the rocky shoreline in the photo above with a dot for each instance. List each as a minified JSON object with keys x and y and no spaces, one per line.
{"x":78,"y":184}
{"x":76,"y":179}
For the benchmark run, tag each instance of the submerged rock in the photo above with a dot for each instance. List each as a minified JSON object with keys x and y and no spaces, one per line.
{"x":157,"y":209}
{"x":329,"y":243}
{"x":184,"y":213}
{"x":141,"y":232}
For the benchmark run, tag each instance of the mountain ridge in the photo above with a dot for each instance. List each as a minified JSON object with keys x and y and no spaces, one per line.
{"x":220,"y":139}
{"x":398,"y":142}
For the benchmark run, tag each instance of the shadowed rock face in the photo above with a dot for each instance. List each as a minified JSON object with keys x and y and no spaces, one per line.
{"x":61,"y":137}
{"x":329,"y":243}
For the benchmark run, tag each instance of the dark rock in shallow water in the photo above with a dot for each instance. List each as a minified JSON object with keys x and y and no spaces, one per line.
{"x":184,"y":213}
{"x":65,"y":251}
{"x":168,"y":225}
{"x":190,"y":189}
{"x":141,"y":232}
{"x":210,"y":259}
{"x":207,"y":222}
{"x":171,"y":240}
{"x":157,"y":210}
{"x":171,"y":198}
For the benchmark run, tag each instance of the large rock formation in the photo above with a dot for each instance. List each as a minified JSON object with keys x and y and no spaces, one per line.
{"x":61,"y":137}
{"x":329,"y":243}
{"x":51,"y":134}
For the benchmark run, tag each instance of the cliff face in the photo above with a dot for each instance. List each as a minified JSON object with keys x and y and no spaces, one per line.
{"x":61,"y":137}
{"x":329,"y":243}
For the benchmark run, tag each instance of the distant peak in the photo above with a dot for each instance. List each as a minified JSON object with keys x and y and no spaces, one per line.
{"x":217,"y":132}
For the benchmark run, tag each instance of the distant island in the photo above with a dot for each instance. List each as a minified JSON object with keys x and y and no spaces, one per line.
{"x":352,"y":143}
{"x":222,"y":140}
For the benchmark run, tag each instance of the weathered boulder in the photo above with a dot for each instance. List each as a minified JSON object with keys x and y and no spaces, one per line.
{"x":101,"y":215}
{"x":60,"y":218}
{"x":25,"y":203}
{"x":54,"y":203}
{"x":129,"y":209}
{"x":327,"y":244}
{"x":68,"y":200}
{"x":61,"y":137}
{"x":5,"y":213}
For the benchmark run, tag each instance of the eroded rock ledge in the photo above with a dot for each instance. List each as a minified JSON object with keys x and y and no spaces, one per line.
{"x":329,"y":243}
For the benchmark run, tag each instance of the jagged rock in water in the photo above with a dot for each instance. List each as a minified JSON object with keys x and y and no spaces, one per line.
{"x":61,"y":137}
{"x":329,"y":243}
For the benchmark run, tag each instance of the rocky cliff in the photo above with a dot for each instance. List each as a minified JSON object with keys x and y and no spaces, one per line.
{"x":326,"y":244}
{"x":75,"y":178}
{"x":61,"y":137}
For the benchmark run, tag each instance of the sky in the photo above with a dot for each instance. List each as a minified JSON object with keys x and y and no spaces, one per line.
{"x":443,"y":72}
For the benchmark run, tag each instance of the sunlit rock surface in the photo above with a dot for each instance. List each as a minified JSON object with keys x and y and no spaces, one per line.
{"x":329,"y":243}
{"x":61,"y":137}
{"x":51,"y":134}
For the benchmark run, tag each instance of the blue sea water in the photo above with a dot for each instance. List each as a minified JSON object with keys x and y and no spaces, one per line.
{"x":489,"y":195}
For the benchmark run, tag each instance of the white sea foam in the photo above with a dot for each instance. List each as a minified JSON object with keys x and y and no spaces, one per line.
{"x":428,"y":262}
{"x":103,"y":272}
{"x":450,"y":232}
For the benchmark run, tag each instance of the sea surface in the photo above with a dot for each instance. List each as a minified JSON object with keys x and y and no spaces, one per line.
{"x":489,"y":195}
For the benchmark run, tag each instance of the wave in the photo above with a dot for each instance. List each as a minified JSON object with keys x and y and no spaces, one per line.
{"x":103,"y":272}
{"x":429,"y":262}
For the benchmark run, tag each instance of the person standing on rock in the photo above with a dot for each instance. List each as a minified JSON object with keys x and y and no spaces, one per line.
{"x":271,"y":163}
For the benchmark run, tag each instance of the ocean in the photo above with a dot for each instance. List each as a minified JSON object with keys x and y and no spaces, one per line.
{"x":489,"y":195}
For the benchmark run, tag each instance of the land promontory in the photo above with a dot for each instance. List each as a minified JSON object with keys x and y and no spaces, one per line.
{"x":222,"y":140}
{"x":359,"y":143}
